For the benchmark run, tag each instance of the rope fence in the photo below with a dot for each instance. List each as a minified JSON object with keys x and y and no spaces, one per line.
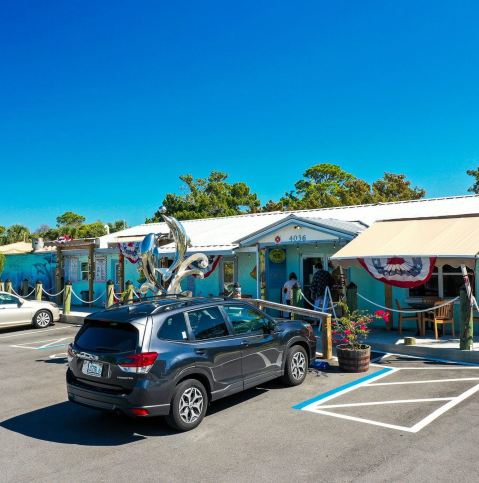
{"x":410,"y":311}
{"x":23,"y":296}
{"x":88,"y":301}
{"x":52,"y":294}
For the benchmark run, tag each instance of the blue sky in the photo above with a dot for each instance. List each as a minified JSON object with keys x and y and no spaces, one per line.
{"x":104,"y":104}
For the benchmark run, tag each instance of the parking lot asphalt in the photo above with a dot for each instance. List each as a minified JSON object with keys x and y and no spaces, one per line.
{"x":405,"y":420}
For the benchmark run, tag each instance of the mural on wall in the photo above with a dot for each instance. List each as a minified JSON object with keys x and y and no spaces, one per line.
{"x":32,"y":267}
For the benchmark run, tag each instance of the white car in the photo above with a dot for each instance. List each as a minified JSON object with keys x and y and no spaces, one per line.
{"x":19,"y":311}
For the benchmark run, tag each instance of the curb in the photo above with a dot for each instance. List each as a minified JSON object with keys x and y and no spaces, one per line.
{"x":453,"y":355}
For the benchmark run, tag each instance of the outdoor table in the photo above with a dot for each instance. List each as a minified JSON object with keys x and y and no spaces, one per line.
{"x":421,"y":315}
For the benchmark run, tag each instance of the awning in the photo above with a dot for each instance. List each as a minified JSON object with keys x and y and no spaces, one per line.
{"x":452,"y":240}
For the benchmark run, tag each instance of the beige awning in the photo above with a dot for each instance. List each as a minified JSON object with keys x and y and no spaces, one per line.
{"x":453,"y":240}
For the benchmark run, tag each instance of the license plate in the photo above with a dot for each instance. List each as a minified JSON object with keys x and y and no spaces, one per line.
{"x":92,"y":368}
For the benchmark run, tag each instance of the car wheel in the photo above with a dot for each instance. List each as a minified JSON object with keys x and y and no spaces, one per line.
{"x":296,"y":366}
{"x":188,"y":406}
{"x":42,"y":319}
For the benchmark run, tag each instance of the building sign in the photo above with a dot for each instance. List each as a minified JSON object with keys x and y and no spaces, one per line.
{"x":301,"y":234}
{"x":277,"y":255}
{"x":100,"y":269}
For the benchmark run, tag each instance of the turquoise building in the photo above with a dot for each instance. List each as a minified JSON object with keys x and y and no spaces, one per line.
{"x":258,"y":251}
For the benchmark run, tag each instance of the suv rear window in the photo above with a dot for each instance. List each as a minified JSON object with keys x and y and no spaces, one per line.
{"x":107,"y":337}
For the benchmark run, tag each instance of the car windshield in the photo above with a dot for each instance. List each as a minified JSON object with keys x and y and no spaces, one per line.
{"x":107,"y":337}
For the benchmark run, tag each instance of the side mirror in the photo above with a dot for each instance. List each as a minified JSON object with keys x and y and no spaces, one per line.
{"x":20,"y":302}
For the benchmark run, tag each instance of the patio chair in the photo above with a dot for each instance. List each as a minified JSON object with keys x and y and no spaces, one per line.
{"x":406,"y":318}
{"x":443,"y":315}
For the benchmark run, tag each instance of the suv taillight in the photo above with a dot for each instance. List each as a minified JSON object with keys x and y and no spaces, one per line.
{"x":70,"y":353}
{"x":139,"y":363}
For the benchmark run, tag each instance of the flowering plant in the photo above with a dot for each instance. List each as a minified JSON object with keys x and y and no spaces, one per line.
{"x":353,"y":327}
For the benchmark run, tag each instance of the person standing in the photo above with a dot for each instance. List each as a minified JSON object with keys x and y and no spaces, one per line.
{"x":321,"y":279}
{"x":287,"y":291}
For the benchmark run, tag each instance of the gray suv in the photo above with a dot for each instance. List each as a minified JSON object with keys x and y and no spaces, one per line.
{"x":173,"y":356}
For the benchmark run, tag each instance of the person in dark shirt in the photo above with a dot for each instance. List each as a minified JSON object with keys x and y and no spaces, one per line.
{"x":321,"y":280}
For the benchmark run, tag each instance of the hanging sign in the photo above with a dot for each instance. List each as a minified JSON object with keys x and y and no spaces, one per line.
{"x":405,"y":272}
{"x":130,"y":250}
{"x":277,"y":255}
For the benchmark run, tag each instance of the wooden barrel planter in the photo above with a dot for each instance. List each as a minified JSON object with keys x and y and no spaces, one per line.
{"x":353,"y":360}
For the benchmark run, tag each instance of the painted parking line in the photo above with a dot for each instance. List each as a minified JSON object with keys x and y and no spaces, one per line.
{"x":345,"y":388}
{"x":33,"y":332}
{"x":58,"y":342}
{"x":317,"y":404}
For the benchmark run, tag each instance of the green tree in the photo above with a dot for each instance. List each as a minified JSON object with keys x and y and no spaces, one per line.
{"x":3,"y":232}
{"x":17,"y":233}
{"x":328,"y":185}
{"x":475,"y":174}
{"x":395,"y":187}
{"x":70,"y":219}
{"x":2,"y":263}
{"x":117,"y":225}
{"x":209,"y":197}
{"x":91,"y":230}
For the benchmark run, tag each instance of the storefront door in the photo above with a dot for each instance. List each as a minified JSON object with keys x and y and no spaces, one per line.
{"x":307,"y":275}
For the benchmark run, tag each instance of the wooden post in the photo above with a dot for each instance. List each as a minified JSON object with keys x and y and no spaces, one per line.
{"x":129,"y":292}
{"x":110,"y":291}
{"x":8,"y":286}
{"x":38,"y":290}
{"x":2,"y":286}
{"x":91,"y":270}
{"x":388,"y":302}
{"x":327,"y":339}
{"x":67,"y":298}
{"x":352,"y":297}
{"x":25,"y":287}
{"x":295,"y":299}
{"x":261,"y":273}
{"x":467,"y":326}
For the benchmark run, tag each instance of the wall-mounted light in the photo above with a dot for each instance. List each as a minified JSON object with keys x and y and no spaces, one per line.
{"x":297,"y":227}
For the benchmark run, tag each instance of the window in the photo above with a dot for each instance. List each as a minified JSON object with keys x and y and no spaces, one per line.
{"x":446,"y":281}
{"x":227,"y":276}
{"x":245,"y":319}
{"x":174,"y":328}
{"x":107,"y":337}
{"x":207,"y":323}
{"x":7,"y":299}
{"x":100,"y":269}
{"x":84,"y":270}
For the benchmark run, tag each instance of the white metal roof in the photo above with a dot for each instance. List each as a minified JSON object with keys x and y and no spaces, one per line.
{"x":212,"y":234}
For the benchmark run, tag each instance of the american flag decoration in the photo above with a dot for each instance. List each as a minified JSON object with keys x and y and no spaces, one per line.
{"x":405,"y":272}
{"x":63,"y":239}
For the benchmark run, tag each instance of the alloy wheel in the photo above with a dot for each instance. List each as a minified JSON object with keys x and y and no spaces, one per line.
{"x":191,"y":405}
{"x":298,"y":365}
{"x":43,"y":319}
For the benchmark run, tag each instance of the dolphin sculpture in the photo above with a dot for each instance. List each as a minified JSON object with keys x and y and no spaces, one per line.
{"x":168,"y":280}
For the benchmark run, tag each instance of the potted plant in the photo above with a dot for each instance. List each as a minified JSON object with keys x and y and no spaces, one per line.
{"x":349,"y":333}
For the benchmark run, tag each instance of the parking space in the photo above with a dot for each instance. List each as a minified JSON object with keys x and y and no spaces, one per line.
{"x":403,"y":393}
{"x":255,"y":435}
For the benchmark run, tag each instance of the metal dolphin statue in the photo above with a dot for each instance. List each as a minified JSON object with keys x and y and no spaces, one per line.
{"x":168,"y":280}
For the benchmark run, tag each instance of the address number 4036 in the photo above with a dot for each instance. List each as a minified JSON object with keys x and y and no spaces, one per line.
{"x":297,"y":238}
